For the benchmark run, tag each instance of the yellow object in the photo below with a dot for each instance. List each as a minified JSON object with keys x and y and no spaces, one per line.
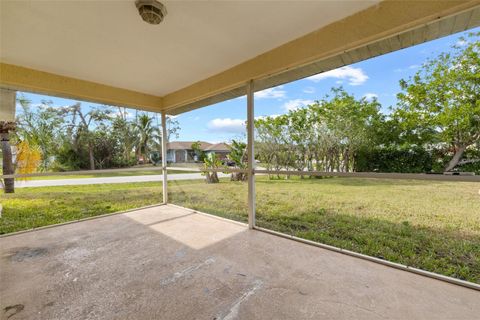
{"x":28,"y":158}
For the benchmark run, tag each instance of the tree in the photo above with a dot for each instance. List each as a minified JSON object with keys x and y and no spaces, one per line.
{"x":345,"y":127}
{"x":28,"y":158}
{"x":238,"y":154}
{"x":40,"y":127}
{"x":106,"y":148}
{"x":81,"y":130}
{"x":440,"y":104}
{"x":145,"y":134}
{"x":197,"y":149}
{"x":7,"y":159}
{"x":271,"y":149}
{"x":124,"y":132}
{"x":173,"y":128}
{"x":155,"y":158}
{"x":325,"y":135}
{"x":212,"y":161}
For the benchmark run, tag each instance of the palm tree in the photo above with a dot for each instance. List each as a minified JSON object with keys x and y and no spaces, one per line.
{"x":125,"y":131}
{"x":145,"y":134}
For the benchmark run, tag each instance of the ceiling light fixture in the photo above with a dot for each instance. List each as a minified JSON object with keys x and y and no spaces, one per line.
{"x":151,"y":11}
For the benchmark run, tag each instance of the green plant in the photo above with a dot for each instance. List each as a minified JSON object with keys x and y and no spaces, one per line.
{"x":212,"y":161}
{"x":199,"y":153}
{"x":238,"y":154}
{"x":155,"y":158}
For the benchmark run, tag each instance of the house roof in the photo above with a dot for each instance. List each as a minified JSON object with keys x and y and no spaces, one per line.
{"x":186,"y":145}
{"x":204,"y":146}
{"x":218,"y":147}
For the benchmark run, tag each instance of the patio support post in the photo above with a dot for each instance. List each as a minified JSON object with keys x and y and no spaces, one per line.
{"x":251,"y":154}
{"x":164,"y":158}
{"x":7,"y":126}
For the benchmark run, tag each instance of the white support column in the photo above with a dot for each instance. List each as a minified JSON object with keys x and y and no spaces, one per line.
{"x":164,"y":158}
{"x":251,"y":154}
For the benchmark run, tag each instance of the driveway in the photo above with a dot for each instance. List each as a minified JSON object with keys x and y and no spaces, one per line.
{"x":83,"y":181}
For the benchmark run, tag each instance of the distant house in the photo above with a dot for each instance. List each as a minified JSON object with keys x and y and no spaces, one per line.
{"x":182,"y":152}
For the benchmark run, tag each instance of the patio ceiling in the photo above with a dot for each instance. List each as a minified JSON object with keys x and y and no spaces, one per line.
{"x":204,"y":51}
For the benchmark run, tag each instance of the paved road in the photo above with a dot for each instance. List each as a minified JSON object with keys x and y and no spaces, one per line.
{"x":73,"y":181}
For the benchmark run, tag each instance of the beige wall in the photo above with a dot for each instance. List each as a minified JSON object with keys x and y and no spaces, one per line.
{"x":7,"y":105}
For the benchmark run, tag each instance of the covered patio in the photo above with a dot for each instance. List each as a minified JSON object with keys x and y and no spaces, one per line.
{"x":168,"y":262}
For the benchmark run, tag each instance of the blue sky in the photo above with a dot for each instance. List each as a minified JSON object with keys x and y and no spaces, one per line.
{"x":377,"y":77}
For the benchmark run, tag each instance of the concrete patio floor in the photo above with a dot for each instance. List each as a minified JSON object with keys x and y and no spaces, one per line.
{"x":171,"y":263}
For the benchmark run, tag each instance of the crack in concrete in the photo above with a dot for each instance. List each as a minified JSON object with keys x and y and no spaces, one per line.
{"x":10,"y":311}
{"x":233,"y":311}
{"x":185,"y":272}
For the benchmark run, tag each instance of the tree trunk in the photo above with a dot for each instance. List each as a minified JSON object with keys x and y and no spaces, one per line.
{"x":211,"y":177}
{"x":238,"y":176}
{"x":9,"y":183}
{"x":346,"y":161}
{"x":456,"y":158}
{"x":90,"y":155}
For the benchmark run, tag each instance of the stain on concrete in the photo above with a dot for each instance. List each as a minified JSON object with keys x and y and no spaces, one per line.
{"x":302,"y":293}
{"x":26,"y":253}
{"x":185,"y":272}
{"x":180,"y":254}
{"x":232,"y":313}
{"x":10,"y":311}
{"x":227,"y":270}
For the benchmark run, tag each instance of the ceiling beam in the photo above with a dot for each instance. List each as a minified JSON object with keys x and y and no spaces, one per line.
{"x":385,"y":20}
{"x":26,"y":79}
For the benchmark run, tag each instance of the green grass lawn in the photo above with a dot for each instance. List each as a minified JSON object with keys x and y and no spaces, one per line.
{"x":430,"y":225}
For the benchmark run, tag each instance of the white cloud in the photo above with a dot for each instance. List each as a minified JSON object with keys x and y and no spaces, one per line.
{"x":227,"y":125}
{"x":309,"y":90}
{"x":370,"y":95}
{"x":271,"y":93}
{"x":297,"y":103}
{"x":269,"y":116}
{"x":410,"y":67}
{"x":461,"y":43}
{"x":354,"y":76}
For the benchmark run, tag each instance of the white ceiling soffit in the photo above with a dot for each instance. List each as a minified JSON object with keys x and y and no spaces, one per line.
{"x":107,"y":42}
{"x":434,"y":30}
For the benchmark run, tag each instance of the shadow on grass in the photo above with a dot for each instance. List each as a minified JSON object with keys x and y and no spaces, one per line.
{"x":227,"y":199}
{"x":441,"y":251}
{"x":346,"y":181}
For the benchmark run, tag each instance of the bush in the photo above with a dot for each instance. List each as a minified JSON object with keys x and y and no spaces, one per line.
{"x":392,"y":159}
